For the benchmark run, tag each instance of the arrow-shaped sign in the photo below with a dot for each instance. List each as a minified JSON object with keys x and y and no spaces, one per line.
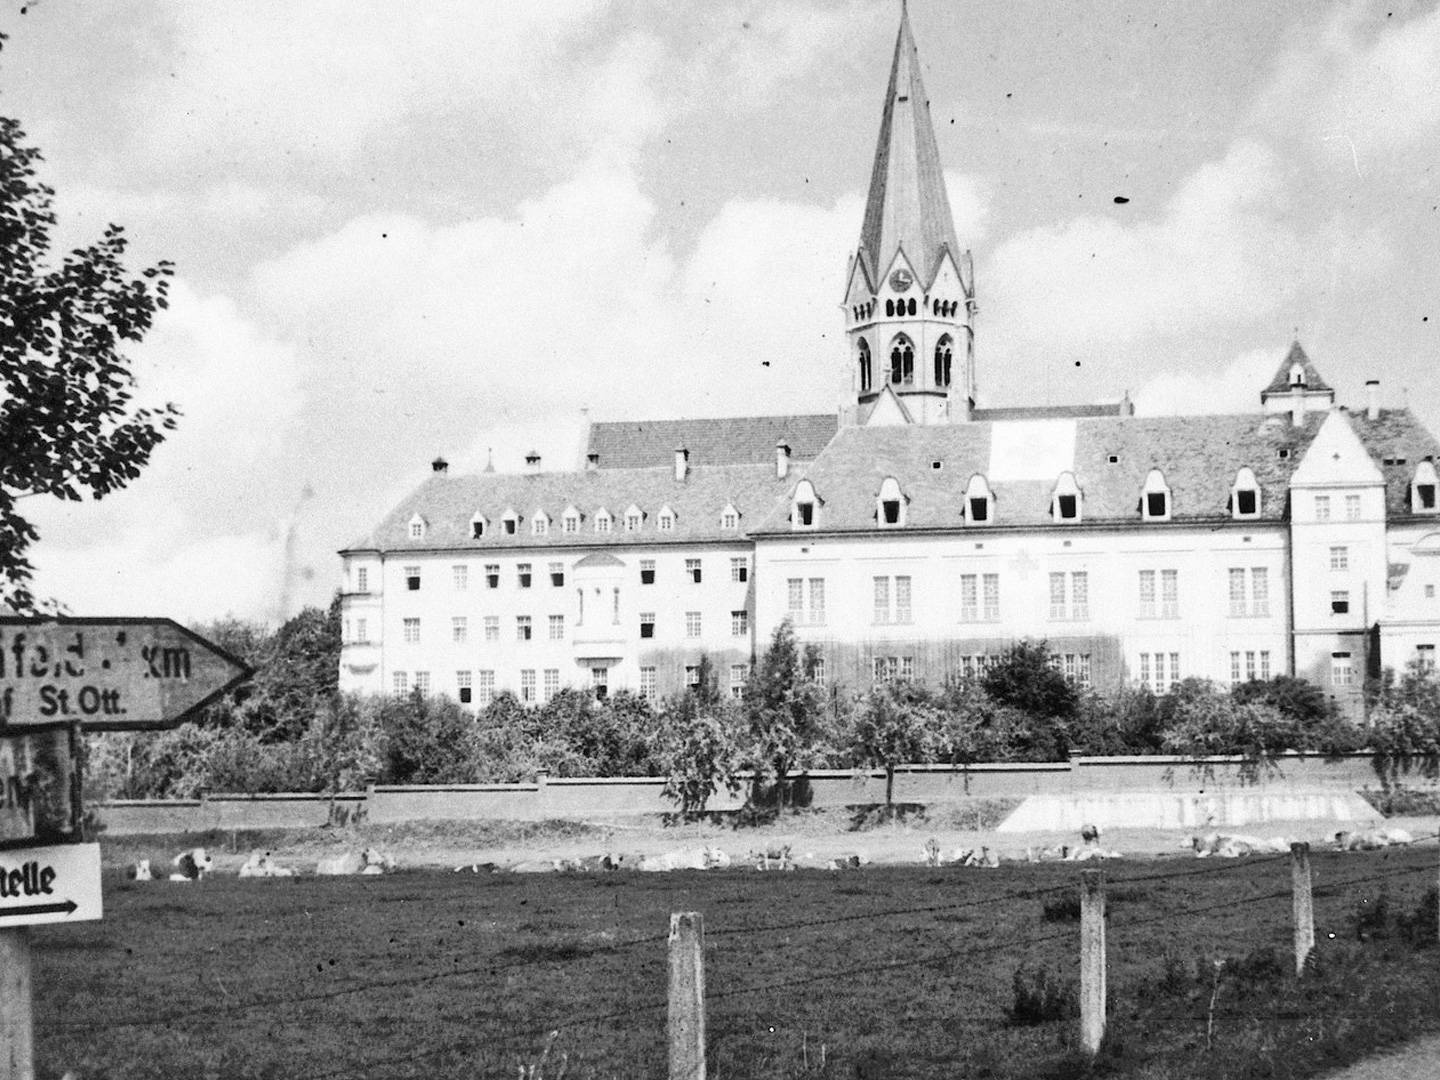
{"x":68,"y":908}
{"x":109,"y":674}
{"x":58,"y":883}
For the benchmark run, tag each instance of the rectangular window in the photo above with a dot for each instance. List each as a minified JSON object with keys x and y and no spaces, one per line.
{"x":882,"y":600}
{"x":492,"y":575}
{"x":1425,"y":657}
{"x":1169,"y":594}
{"x":1057,"y":596}
{"x":692,"y":624}
{"x":1234,"y":668}
{"x":647,"y":571}
{"x":460,"y":575}
{"x":557,"y":574}
{"x":740,"y":569}
{"x":362,"y":580}
{"x":362,"y":634}
{"x":570,"y":523}
{"x":399,"y":682}
{"x":907,"y":667}
{"x":1237,"y":592}
{"x":991,"y":583}
{"x":1147,"y":594}
{"x":412,"y":630}
{"x":552,"y":683}
{"x":540,"y":526}
{"x":632,"y":523}
{"x":459,"y":628}
{"x":462,"y":687}
{"x":1265,"y":664}
{"x":615,"y":605}
{"x":647,"y":683}
{"x":817,"y":671}
{"x":1339,"y":558}
{"x":1249,"y":664}
{"x":739,"y":624}
{"x":1259,"y":591}
{"x":692,"y":567}
{"x":887,"y":669}
{"x":817,"y":601}
{"x":412,"y":578}
{"x":602,"y":523}
{"x":1174,"y":671}
{"x":795,"y":598}
{"x":1080,"y":595}
{"x":484,"y":687}
{"x":692,"y":676}
{"x":492,"y":627}
{"x":527,"y":685}
{"x":902,"y":599}
{"x":969,"y":598}
{"x":738,"y":674}
{"x":1339,"y":601}
{"x":1255,"y":602}
{"x":557,"y":627}
{"x":1352,"y":507}
{"x":647,"y":624}
{"x":522,"y":627}
{"x":523,"y":573}
{"x":422,"y":681}
{"x":1322,"y":507}
{"x":1342,"y":671}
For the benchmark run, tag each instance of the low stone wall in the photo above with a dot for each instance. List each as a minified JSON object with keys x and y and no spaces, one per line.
{"x":1301,"y":775}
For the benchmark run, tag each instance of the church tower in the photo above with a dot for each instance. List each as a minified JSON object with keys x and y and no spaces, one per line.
{"x":910,"y":294}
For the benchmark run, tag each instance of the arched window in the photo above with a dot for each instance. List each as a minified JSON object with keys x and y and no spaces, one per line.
{"x":890,"y":504}
{"x":1065,"y":500}
{"x":979,"y":501}
{"x":1245,"y":495}
{"x":477,"y":526}
{"x":865,"y":376}
{"x":805,"y":507}
{"x":1422,"y":489}
{"x":889,"y":307}
{"x":902,"y":361}
{"x":1155,"y":499}
{"x":942,"y":361}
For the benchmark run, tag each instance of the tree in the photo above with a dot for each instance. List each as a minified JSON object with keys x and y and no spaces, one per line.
{"x":785,"y":712}
{"x":895,"y":723}
{"x":68,"y":424}
{"x":700,"y":749}
{"x":297,"y":675}
{"x":1405,"y":725}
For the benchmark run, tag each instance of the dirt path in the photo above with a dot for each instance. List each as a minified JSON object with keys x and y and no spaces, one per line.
{"x":1420,"y":1058}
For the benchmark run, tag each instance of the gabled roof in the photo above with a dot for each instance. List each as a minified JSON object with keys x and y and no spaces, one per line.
{"x":1280,"y":384}
{"x":1199,"y":456}
{"x":741,"y":440}
{"x":448,"y":503}
{"x":1395,"y":436}
{"x":908,"y":206}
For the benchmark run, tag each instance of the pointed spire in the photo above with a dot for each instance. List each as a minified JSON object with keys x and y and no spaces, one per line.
{"x":908,"y":207}
{"x":1285,"y":375}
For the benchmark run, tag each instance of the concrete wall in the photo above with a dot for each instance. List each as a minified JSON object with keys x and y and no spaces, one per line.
{"x":579,"y":798}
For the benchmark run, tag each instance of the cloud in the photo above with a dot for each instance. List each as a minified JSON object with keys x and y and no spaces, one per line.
{"x":1234,"y":388}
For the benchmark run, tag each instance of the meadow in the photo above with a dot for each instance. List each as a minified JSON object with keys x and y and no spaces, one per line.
{"x":894,"y":972}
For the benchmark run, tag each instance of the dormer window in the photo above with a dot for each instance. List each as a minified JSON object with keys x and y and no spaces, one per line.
{"x":1245,"y":495}
{"x":540,"y":523}
{"x":1065,"y":501}
{"x":510,"y":522}
{"x":890,"y":504}
{"x":477,"y":526}
{"x":634,"y":516}
{"x":417,"y":528}
{"x":1422,"y":489}
{"x":979,"y":501}
{"x":729,"y":517}
{"x":902,"y":361}
{"x":804,"y":507}
{"x":1155,"y":499}
{"x":602,"y":520}
{"x":570,"y":520}
{"x":665,"y":520}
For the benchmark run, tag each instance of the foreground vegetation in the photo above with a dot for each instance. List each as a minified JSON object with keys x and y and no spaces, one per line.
{"x":291,"y":730}
{"x":897,"y":973}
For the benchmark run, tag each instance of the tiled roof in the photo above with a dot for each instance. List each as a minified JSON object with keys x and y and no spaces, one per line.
{"x":1054,"y":412}
{"x":740,"y":440}
{"x":1199,"y":456}
{"x":1396,"y":436}
{"x":1280,"y":384}
{"x":448,"y":503}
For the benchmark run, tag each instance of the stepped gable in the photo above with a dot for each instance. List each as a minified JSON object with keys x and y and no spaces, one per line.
{"x":1398,"y":438}
{"x":1199,"y":456}
{"x":448,"y":503}
{"x":738,"y":440}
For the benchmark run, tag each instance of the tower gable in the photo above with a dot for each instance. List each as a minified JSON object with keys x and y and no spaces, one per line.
{"x":1336,"y":458}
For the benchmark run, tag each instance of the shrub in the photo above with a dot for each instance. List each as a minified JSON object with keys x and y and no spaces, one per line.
{"x":1041,"y":998}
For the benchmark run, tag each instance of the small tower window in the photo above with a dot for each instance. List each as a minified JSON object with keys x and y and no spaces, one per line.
{"x":1422,"y":490}
{"x":865,"y":376}
{"x":1245,"y":495}
{"x":803,"y":510}
{"x":902,"y":361}
{"x":1155,"y":499}
{"x":1065,"y":501}
{"x":890,"y":504}
{"x":942,"y":361}
{"x":979,"y":501}
{"x":1297,"y":375}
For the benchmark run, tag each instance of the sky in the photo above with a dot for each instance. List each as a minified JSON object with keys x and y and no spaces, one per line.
{"x":448,"y":228}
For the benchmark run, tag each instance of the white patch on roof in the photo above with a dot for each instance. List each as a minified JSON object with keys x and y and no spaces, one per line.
{"x":1031,"y":449}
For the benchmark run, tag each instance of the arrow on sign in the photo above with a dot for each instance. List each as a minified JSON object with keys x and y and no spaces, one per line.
{"x":68,"y":907}
{"x":109,"y":674}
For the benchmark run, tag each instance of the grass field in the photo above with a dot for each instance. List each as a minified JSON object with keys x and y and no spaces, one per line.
{"x":881,"y":973}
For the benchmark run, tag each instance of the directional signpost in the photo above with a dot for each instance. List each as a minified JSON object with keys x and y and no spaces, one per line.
{"x":59,"y":677}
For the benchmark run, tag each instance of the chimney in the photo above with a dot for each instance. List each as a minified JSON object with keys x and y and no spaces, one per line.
{"x":439,"y":465}
{"x":532,"y":461}
{"x":1372,"y":399}
{"x":682,"y":462}
{"x":592,"y":461}
{"x":782,"y":459}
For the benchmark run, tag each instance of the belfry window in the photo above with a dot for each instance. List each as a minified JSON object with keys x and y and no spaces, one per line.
{"x":890,"y":504}
{"x":865,"y":376}
{"x":942,"y":361}
{"x":979,"y":501}
{"x":1245,"y":495}
{"x":890,"y":308}
{"x":902,"y":361}
{"x":1155,"y":499}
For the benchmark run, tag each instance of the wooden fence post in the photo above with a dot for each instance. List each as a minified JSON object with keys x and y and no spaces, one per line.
{"x":1303,"y":904}
{"x":1092,"y":960}
{"x":687,"y":996}
{"x":17,"y":1028}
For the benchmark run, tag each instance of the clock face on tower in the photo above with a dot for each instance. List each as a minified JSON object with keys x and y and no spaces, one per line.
{"x":901,"y":280}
